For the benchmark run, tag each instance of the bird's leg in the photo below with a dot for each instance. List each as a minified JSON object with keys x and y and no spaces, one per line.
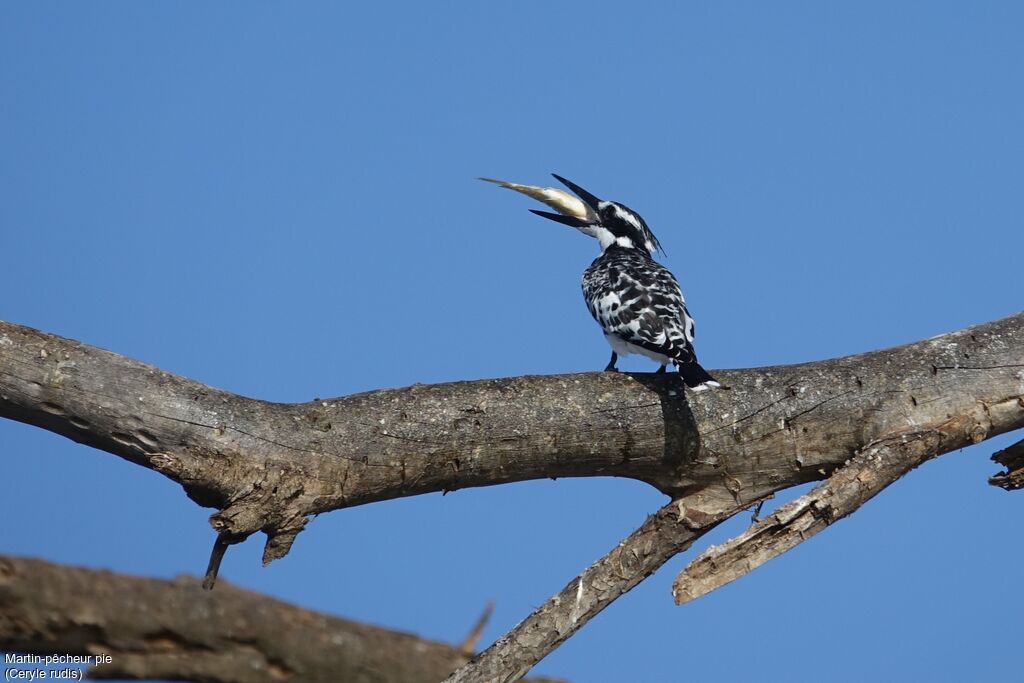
{"x":660,"y":371}
{"x":611,"y":364}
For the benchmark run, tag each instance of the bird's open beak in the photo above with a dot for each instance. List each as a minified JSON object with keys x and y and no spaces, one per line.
{"x":590,"y":200}
{"x":571,"y":211}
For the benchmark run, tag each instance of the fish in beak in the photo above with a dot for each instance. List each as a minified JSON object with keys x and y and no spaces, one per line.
{"x":574,"y":212}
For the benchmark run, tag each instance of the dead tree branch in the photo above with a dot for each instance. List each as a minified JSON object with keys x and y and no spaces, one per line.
{"x":155,"y":629}
{"x":852,"y":485}
{"x":669,"y":531}
{"x":267,"y":466}
{"x":1012,"y":459}
{"x":469,"y":643}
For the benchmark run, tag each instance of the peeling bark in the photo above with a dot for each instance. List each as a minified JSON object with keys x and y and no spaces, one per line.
{"x":852,"y":485}
{"x":1012,"y":459}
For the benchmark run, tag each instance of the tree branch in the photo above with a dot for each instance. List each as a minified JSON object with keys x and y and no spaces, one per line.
{"x":468,"y":645}
{"x":155,"y":629}
{"x":669,"y":531}
{"x":267,"y":466}
{"x":852,"y":485}
{"x":672,"y":531}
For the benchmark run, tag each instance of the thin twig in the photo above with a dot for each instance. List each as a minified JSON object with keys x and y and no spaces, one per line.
{"x":468,"y":646}
{"x":756,"y":514}
{"x":220,"y":546}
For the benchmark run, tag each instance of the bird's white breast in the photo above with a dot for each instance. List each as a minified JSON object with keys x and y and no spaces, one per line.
{"x":624,"y":348}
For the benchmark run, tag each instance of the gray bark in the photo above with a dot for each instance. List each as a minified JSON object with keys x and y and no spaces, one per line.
{"x":267,"y":466}
{"x":852,"y":485}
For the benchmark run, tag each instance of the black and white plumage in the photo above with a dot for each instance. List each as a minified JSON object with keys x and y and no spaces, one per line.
{"x":636,"y":301}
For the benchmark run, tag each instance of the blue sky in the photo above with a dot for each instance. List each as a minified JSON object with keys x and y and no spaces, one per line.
{"x":279,"y":200}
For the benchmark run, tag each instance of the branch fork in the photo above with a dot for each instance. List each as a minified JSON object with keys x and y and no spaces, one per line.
{"x":862,"y":420}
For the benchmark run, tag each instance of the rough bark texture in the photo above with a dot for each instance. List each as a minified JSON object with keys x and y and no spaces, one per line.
{"x":157,"y":629}
{"x":1012,"y":459}
{"x":267,"y":466}
{"x":846,"y":490}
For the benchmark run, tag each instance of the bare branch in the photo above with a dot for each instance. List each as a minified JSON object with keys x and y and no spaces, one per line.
{"x":468,"y":645}
{"x":268,"y":466}
{"x":667,"y":532}
{"x":157,"y":629}
{"x":852,"y":485}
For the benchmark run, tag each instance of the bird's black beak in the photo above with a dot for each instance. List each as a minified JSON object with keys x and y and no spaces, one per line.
{"x":588,"y":198}
{"x":571,"y":221}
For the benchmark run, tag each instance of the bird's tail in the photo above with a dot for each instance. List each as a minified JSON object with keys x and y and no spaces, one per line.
{"x":696,"y":377}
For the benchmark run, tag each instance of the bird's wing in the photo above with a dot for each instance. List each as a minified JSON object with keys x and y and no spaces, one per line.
{"x":641,"y":303}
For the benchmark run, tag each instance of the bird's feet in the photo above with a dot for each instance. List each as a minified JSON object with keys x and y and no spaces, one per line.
{"x":611,"y":364}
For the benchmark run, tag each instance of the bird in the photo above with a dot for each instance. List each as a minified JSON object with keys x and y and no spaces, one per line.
{"x":636,"y":300}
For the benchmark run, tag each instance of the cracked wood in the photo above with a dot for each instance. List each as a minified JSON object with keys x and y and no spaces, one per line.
{"x":267,"y":466}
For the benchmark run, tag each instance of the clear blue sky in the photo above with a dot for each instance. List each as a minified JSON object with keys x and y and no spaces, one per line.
{"x":279,"y":200}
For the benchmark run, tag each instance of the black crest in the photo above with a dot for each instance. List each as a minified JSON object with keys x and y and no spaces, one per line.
{"x":623,"y":221}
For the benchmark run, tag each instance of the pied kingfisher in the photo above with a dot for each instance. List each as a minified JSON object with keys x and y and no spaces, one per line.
{"x":635,"y":300}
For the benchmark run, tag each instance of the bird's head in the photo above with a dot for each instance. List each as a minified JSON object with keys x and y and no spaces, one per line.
{"x":611,"y":223}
